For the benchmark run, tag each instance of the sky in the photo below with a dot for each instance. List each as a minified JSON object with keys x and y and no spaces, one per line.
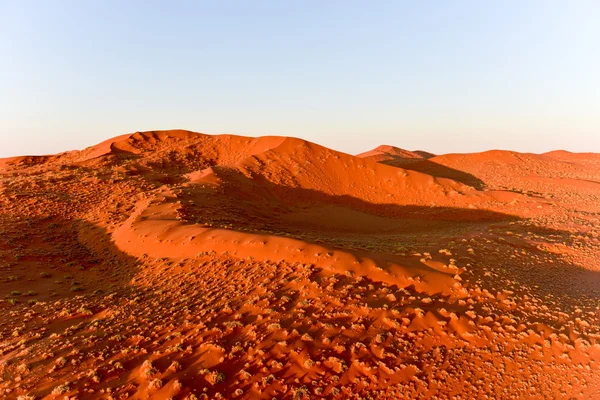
{"x":441,"y":76}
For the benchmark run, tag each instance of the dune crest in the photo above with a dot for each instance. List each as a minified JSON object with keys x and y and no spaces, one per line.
{"x":396,"y":156}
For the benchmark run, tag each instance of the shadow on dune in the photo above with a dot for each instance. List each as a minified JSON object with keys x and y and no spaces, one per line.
{"x":258,"y":201}
{"x":366,"y":229}
{"x":61,"y":248}
{"x":439,"y":171}
{"x":67,"y":265}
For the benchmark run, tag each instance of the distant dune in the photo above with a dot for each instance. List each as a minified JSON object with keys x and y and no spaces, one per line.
{"x":391,"y":155}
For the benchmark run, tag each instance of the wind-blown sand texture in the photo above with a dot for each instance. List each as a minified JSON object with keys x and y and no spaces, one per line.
{"x":173,"y":264}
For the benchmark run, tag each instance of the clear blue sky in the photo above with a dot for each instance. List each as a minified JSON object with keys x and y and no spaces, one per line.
{"x":443,"y":76}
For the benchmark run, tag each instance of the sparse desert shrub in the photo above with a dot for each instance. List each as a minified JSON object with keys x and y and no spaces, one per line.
{"x":61,"y":389}
{"x":95,"y":376}
{"x":85,"y":312}
{"x":233,"y":324}
{"x":155,"y":384}
{"x":175,"y":366}
{"x":245,"y":374}
{"x":60,"y":362}
{"x":148,"y":369}
{"x":402,"y":249}
{"x":301,"y":393}
{"x":216,"y":377}
{"x":23,"y":368}
{"x":177,"y":385}
{"x":307,"y":338}
{"x":268,"y":379}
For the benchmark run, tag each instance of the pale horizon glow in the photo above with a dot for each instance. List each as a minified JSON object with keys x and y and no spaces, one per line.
{"x":445,"y":77}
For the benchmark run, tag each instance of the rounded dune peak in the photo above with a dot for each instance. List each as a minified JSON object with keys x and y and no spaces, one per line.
{"x":386,"y":148}
{"x":567,"y":156}
{"x":392,"y":155}
{"x":389,"y":149}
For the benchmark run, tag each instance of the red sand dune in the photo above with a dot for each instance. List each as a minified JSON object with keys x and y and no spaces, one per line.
{"x":173,"y":264}
{"x":391,"y":155}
